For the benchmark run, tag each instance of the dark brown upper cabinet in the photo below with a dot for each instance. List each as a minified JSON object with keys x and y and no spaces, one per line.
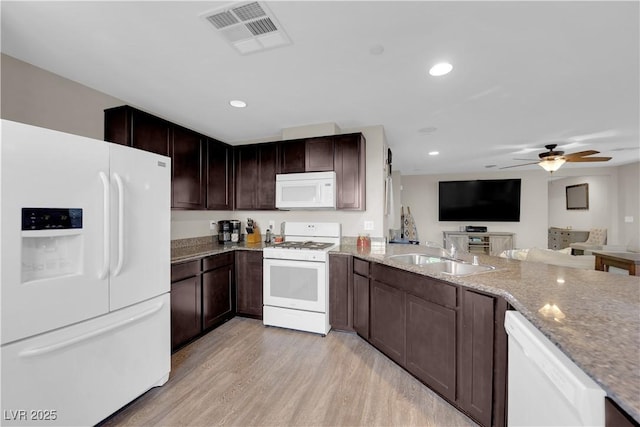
{"x":306,"y":155}
{"x":292,"y":156}
{"x":349,"y":163}
{"x":187,"y":183}
{"x":127,"y":126}
{"x":255,"y":176}
{"x":219,"y":175}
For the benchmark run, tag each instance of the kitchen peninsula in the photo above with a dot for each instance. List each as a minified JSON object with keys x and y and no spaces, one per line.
{"x":601,"y":328}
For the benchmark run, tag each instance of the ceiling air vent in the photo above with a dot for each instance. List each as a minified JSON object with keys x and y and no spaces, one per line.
{"x":248,"y":27}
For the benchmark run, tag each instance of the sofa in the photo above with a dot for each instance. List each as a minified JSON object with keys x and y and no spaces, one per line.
{"x":562,"y":258}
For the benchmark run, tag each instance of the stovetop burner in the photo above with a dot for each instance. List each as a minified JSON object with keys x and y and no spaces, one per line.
{"x":303,"y":245}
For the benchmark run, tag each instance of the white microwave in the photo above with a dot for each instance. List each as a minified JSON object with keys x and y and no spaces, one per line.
{"x":310,"y":190}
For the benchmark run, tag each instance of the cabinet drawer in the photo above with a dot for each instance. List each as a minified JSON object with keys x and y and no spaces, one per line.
{"x":185,"y":270}
{"x":215,"y":261}
{"x":424,"y":287}
{"x":361,"y":267}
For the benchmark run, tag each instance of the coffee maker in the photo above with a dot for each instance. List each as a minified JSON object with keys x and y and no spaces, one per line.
{"x":229,"y":231}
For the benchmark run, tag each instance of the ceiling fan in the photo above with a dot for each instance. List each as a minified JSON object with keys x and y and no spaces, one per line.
{"x":552,"y":160}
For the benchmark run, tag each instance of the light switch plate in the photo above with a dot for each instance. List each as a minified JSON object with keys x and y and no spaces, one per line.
{"x":628,"y":219}
{"x":212,"y":225}
{"x":368,"y":225}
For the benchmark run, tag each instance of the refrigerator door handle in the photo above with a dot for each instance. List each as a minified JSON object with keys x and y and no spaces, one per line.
{"x":106,"y":231}
{"x":38,"y":351}
{"x":120,"y":187}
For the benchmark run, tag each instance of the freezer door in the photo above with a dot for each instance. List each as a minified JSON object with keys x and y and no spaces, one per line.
{"x":140,"y":225}
{"x":52,"y":275}
{"x":81,"y":374}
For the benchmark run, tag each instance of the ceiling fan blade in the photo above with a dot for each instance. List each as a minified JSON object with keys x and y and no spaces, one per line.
{"x":581,"y":153}
{"x":517,"y":166}
{"x":588,"y":159}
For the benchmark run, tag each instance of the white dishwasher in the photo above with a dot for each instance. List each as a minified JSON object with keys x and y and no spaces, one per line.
{"x":545,"y":387}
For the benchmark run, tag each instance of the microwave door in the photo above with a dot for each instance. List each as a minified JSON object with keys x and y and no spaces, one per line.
{"x":298,"y":194}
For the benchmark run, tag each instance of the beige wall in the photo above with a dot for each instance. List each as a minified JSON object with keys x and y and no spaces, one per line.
{"x":614,"y":196}
{"x":629,"y":205}
{"x":37,"y":97}
{"x":420,"y":194}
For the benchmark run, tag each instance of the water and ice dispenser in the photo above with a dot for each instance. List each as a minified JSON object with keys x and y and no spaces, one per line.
{"x":51,"y":243}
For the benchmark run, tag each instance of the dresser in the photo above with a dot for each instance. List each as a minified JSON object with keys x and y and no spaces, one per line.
{"x":560,"y":238}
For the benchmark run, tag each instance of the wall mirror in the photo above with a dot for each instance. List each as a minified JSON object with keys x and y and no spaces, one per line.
{"x":578,"y":196}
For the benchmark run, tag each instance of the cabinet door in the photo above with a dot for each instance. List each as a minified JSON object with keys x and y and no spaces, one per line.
{"x":219,"y":177}
{"x":217,"y":296}
{"x":361,"y":305}
{"x":497,"y":244}
{"x":319,"y":154}
{"x":459,"y":241}
{"x":349,"y":164}
{"x":340,"y":292}
{"x":431,"y":345}
{"x":246,"y":161}
{"x":117,"y":125}
{"x":188,"y":190}
{"x":249,"y":283}
{"x":477,"y":355}
{"x":266,"y":184}
{"x":387,"y":321}
{"x":292,"y":156}
{"x":185,"y":311}
{"x":149,"y":133}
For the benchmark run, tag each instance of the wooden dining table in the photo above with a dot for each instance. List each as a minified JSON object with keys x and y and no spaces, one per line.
{"x":626,"y":260}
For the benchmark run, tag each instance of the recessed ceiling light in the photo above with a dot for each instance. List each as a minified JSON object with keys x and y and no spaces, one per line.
{"x":434,"y":153}
{"x":237,"y":103}
{"x":428,"y":129}
{"x":376,"y":49}
{"x":441,"y":69}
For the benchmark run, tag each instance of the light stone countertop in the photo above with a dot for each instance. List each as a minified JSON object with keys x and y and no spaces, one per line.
{"x":600,"y":331}
{"x":601,"y":328}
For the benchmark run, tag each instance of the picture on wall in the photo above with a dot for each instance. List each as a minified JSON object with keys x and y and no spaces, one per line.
{"x":578,"y":196}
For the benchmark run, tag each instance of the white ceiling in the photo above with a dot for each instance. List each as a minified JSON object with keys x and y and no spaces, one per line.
{"x":525,"y":73}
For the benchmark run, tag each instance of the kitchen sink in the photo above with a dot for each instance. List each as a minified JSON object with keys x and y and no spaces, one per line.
{"x":442,"y":264}
{"x":415,"y":259}
{"x":460,"y":268}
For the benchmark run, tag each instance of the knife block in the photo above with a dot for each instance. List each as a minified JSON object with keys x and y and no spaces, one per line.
{"x":254,"y":237}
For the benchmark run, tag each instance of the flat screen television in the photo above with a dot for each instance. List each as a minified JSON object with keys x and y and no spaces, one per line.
{"x":479,"y":200}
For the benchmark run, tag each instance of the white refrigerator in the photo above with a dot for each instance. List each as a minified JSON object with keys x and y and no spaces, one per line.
{"x":85,"y":276}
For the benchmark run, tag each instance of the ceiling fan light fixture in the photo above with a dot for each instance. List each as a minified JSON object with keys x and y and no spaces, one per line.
{"x":552,"y":165}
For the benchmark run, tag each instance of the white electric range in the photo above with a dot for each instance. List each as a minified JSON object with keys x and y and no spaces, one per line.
{"x":296,"y":277}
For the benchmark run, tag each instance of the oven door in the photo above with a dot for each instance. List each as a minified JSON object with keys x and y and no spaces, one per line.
{"x":300,"y":285}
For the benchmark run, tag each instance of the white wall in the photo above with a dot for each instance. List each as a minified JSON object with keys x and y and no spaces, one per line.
{"x":420,"y":194}
{"x":597,"y":216}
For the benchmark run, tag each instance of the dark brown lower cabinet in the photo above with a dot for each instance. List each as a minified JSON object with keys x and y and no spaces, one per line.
{"x":249,"y":283}
{"x":431,"y":345}
{"x":218,"y":290}
{"x":476,"y":355}
{"x":361,"y":305}
{"x":202,"y":296}
{"x":614,"y":416}
{"x":449,"y":337}
{"x":341,"y":292}
{"x":186,"y":320}
{"x":387,"y":321}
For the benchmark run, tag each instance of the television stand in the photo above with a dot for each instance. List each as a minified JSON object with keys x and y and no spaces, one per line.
{"x":489,"y":243}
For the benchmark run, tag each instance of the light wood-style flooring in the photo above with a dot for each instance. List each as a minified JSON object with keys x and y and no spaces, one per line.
{"x":246,"y":374}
